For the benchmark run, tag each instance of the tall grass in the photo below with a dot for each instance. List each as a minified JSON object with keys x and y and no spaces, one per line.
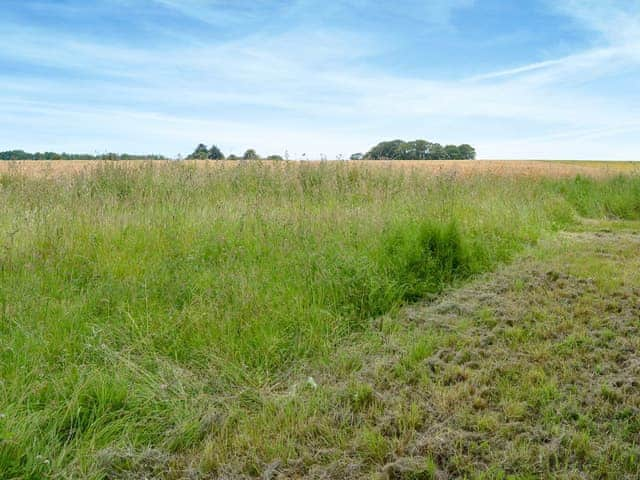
{"x":618,"y":197}
{"x":134,"y":299}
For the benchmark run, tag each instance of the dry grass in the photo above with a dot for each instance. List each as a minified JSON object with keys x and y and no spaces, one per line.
{"x":531,"y":168}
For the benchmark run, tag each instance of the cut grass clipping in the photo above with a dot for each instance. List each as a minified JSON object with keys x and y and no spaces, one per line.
{"x":136,"y":303}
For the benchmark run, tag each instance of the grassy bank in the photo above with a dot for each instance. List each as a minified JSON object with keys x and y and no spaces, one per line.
{"x":144,"y":309}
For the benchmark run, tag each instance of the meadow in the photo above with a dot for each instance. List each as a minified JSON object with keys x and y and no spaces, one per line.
{"x":254,"y":320}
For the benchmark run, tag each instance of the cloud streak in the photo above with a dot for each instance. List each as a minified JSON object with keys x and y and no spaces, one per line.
{"x":311,"y":87}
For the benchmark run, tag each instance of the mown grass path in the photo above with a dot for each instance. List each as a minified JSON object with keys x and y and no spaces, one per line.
{"x":529,"y":372}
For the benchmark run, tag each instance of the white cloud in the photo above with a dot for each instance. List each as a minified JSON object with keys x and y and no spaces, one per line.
{"x":432,"y":13}
{"x":311,"y":90}
{"x":617,"y":20}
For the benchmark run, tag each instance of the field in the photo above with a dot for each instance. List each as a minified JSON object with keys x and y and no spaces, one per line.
{"x":536,"y":168}
{"x":319,"y":320}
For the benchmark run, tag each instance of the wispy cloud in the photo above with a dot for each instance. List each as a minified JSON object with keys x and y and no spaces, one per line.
{"x":518,"y":70}
{"x":307,"y":86}
{"x":618,"y":21}
{"x":222,"y":13}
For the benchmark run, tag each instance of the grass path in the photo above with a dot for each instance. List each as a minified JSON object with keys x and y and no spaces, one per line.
{"x":529,"y":372}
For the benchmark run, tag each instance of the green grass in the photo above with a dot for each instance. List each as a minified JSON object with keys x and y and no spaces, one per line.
{"x":618,"y":197}
{"x":151,"y":318}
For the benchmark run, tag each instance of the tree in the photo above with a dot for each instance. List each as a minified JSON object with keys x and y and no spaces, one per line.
{"x":467,"y":152}
{"x":22,"y":155}
{"x":418,"y":150}
{"x":452,"y":152}
{"x":15,"y":155}
{"x":275,"y":157}
{"x":393,"y":150}
{"x":436,"y":152}
{"x":214,"y":153}
{"x":250,"y":155}
{"x":200,"y":153}
{"x":233,"y":157}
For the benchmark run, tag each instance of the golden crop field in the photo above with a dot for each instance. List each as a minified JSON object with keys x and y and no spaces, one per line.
{"x":536,"y":168}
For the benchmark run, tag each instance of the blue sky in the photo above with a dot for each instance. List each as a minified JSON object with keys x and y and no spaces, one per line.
{"x":515,"y":78}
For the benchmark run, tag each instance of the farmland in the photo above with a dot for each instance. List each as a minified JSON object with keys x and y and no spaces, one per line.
{"x":534,"y":168}
{"x":322,"y":319}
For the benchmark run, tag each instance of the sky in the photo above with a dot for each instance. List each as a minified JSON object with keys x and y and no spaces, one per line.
{"x":553,"y":79}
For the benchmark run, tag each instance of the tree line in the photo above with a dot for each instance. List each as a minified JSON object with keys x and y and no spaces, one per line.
{"x":214,"y":153}
{"x":417,"y":150}
{"x":391,"y":150}
{"x":22,"y":155}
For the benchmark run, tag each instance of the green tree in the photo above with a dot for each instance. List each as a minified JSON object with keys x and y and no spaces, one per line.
{"x":417,"y":150}
{"x":467,"y":152}
{"x":452,"y":152}
{"x":392,"y":150}
{"x":250,"y":155}
{"x":214,"y":153}
{"x":436,"y":152}
{"x":200,"y":153}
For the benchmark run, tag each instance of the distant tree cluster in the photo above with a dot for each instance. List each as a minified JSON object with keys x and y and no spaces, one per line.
{"x":22,"y":155}
{"x":214,"y":153}
{"x":203,"y":153}
{"x":250,"y":155}
{"x":417,"y":150}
